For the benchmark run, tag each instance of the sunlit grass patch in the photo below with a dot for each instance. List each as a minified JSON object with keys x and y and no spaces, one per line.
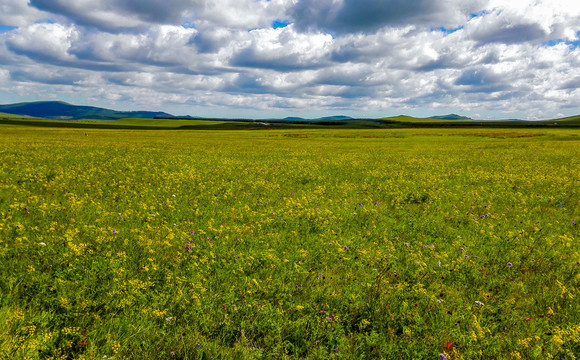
{"x":289,"y":243}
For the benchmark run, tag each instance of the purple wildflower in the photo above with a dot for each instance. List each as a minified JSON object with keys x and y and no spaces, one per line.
{"x":442,"y":356}
{"x":466,"y":256}
{"x":172,"y":353}
{"x":510,"y":264}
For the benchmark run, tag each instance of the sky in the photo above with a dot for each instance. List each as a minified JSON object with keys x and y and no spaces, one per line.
{"x":486,"y":59}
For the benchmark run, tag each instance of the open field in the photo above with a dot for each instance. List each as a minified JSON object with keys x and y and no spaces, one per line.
{"x":289,"y":243}
{"x":128,"y":124}
{"x":396,"y":122}
{"x":12,"y":116}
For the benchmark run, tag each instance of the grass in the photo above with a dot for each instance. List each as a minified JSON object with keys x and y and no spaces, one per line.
{"x":163,"y":122}
{"x":574,"y":120}
{"x":289,"y":243}
{"x":13,"y":117}
{"x":410,"y":119}
{"x":396,"y":122}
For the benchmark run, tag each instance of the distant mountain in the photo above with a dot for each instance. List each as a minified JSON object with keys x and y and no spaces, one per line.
{"x":296,"y":118}
{"x":336,"y":117}
{"x":59,"y":110}
{"x":450,"y":117}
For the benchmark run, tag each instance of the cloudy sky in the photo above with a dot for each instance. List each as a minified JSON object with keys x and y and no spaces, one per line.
{"x":266,"y":58}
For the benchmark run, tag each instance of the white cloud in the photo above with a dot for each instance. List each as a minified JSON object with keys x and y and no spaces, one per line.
{"x":164,"y":44}
{"x":521,"y":21}
{"x":119,"y":15}
{"x":282,"y":49}
{"x":4,"y":76}
{"x":44,"y":41}
{"x":368,"y":16}
{"x":18,"y":13}
{"x":513,"y":57}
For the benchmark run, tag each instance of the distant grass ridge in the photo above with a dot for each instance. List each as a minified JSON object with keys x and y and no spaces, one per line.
{"x":13,"y":116}
{"x":97,"y":118}
{"x":64,"y":111}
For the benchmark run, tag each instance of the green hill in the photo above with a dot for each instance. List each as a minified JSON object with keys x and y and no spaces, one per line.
{"x":450,"y":117}
{"x":410,"y":119}
{"x":59,"y":110}
{"x":573,"y":120}
{"x":13,"y":116}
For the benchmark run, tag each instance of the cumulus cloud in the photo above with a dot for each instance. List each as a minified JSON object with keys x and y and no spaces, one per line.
{"x":522,"y":21}
{"x":163,"y":45}
{"x":283,"y":49}
{"x":119,"y":15}
{"x":516,"y":58}
{"x":44,"y":42}
{"x":367,"y":16}
{"x":18,"y":13}
{"x":115,"y":14}
{"x":4,"y":76}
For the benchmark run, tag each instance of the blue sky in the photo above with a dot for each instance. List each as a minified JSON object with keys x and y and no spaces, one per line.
{"x":257,"y":58}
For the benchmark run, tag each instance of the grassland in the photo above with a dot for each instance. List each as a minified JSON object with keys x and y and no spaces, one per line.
{"x":13,"y":117}
{"x":396,"y":122}
{"x":289,"y":243}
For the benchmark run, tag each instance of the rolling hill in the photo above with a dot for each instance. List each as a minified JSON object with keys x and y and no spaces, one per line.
{"x":450,"y":117}
{"x":59,"y":110}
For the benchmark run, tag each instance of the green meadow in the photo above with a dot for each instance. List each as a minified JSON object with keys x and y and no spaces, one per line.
{"x":289,"y":243}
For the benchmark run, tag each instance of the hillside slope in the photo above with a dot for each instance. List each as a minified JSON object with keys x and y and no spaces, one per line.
{"x":64,"y":111}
